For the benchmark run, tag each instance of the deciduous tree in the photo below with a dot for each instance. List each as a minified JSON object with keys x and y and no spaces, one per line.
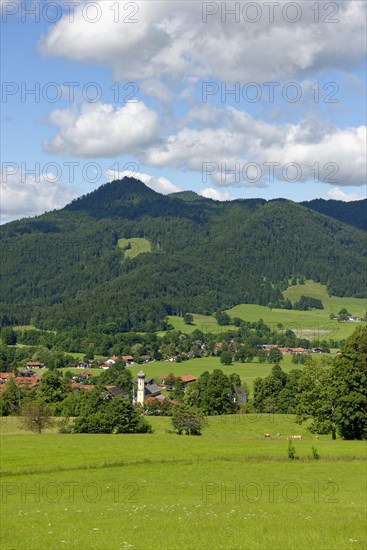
{"x":188,"y":319}
{"x":36,"y":415}
{"x":317,"y":399}
{"x":350,"y":384}
{"x":188,"y":419}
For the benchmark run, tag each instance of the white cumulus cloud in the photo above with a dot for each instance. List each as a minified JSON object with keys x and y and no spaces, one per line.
{"x":102,"y":130}
{"x":339,"y":195}
{"x":25,"y":196}
{"x":247,"y":152}
{"x":168,"y":47}
{"x":182,"y":40}
{"x":214,"y":194}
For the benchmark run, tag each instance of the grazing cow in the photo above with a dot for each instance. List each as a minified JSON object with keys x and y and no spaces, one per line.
{"x":317,"y":437}
{"x":295,"y":437}
{"x":267,"y":436}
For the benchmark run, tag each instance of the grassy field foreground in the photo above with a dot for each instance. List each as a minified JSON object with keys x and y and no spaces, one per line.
{"x":229,"y":488}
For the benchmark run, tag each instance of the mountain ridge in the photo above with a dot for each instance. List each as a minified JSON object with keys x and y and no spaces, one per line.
{"x":206,"y":255}
{"x":352,"y":213}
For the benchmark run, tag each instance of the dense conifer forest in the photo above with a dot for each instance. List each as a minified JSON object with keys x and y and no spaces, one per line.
{"x":65,"y":269}
{"x":353,"y":213}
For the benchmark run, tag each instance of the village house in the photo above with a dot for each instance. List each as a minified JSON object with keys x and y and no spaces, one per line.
{"x":129,"y":359}
{"x":152,"y":390}
{"x":82,"y":365}
{"x":28,"y":381}
{"x":105,"y":365}
{"x":81,"y":386}
{"x":114,"y":391}
{"x":35,"y":365}
{"x":6,"y":375}
{"x":301,"y":351}
{"x":285,"y":351}
{"x":86,"y":374}
{"x":26,"y":372}
{"x":23,"y":381}
{"x":186,"y":379}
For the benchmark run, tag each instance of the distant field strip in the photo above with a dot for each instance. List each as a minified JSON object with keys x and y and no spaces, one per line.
{"x":311,"y":324}
{"x":137,"y":246}
{"x":205,"y":323}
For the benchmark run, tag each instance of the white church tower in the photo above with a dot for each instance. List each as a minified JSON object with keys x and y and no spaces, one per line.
{"x":141,"y":388}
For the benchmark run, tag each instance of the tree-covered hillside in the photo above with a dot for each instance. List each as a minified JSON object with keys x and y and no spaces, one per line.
{"x":65,"y":268}
{"x":353,"y":213}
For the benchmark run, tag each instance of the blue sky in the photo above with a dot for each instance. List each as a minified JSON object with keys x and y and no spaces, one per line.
{"x":184,"y":95}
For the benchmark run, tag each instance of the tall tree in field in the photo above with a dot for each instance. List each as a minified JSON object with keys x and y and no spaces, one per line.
{"x":225,"y":358}
{"x":317,"y":399}
{"x":188,"y":319}
{"x":213,"y":393}
{"x":188,"y":419}
{"x":275,"y":356}
{"x":36,"y":415}
{"x":350,"y":386}
{"x":219,"y":395}
{"x":117,"y":415}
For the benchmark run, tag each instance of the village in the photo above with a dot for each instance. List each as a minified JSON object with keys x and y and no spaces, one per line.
{"x":30,"y":376}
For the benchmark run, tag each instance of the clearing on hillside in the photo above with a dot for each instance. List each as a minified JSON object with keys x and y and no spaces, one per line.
{"x":133,"y":247}
{"x":332,"y":304}
{"x":313,"y":324}
{"x":205,"y":323}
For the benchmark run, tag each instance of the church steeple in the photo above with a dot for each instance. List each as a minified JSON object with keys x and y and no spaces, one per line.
{"x":141,"y":388}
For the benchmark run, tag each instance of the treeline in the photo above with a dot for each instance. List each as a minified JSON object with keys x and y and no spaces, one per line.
{"x":64,"y":269}
{"x":305,"y":303}
{"x":240,"y":344}
{"x":243,"y":343}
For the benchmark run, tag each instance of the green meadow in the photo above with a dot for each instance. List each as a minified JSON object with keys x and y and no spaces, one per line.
{"x":315,"y":324}
{"x":247,"y":371}
{"x":137,"y":246}
{"x":307,"y":324}
{"x":205,"y":323}
{"x":229,"y":488}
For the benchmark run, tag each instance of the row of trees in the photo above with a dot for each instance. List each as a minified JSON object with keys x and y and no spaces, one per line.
{"x":243,"y":343}
{"x":111,"y":417}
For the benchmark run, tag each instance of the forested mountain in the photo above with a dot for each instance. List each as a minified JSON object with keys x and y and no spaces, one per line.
{"x":353,"y":213}
{"x":65,"y":268}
